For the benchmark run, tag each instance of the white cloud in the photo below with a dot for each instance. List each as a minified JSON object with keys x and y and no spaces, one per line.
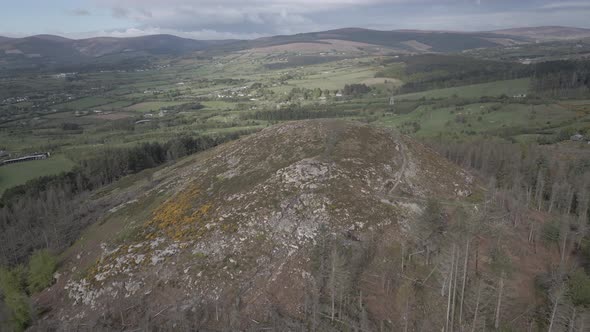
{"x":566,"y":5}
{"x":499,"y":20}
{"x":203,"y":34}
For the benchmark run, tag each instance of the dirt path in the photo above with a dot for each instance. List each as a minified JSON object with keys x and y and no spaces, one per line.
{"x":398,"y":176}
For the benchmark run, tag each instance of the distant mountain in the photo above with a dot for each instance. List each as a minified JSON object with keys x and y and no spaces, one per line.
{"x":50,"y":52}
{"x":547,"y":33}
{"x":408,"y":40}
{"x":54,"y":52}
{"x":48,"y":45}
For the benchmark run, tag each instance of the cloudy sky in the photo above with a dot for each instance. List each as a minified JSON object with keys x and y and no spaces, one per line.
{"x":222,"y":19}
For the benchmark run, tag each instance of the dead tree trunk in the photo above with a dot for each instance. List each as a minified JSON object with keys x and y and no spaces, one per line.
{"x":554,"y":191}
{"x":464,"y":282}
{"x":499,"y":304}
{"x":553,"y":315}
{"x":564,"y":246}
{"x":573,"y":320}
{"x":476,"y":307}
{"x":453,"y":302}
{"x":450,"y":289}
{"x":333,"y":283}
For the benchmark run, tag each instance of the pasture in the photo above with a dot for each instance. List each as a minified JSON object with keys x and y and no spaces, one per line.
{"x":16,"y":174}
{"x":492,"y":89}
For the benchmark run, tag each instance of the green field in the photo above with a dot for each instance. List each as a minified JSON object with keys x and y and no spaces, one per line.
{"x":334,"y":80}
{"x":152,"y":106}
{"x":219,"y":105}
{"x":482,"y":119}
{"x":493,"y":89}
{"x":16,"y":174}
{"x":85,"y":103}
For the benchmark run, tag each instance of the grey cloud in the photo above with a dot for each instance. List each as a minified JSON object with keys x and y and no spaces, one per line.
{"x":119,"y":12}
{"x":79,"y":12}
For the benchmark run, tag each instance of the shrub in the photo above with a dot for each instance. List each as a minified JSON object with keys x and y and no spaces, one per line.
{"x":432,"y":214}
{"x":42,"y":265}
{"x":500,"y":261}
{"x":20,"y":310}
{"x":14,"y":298}
{"x":579,"y":288}
{"x":9,"y":281}
{"x":550,"y":232}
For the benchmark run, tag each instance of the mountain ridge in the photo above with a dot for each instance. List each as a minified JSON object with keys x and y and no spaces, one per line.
{"x":51,"y":50}
{"x":344,"y":29}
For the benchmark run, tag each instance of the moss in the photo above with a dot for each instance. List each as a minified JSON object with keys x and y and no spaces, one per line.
{"x":199,"y":255}
{"x":476,"y":197}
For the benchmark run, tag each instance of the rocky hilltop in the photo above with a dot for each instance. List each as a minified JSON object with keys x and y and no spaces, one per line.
{"x":315,"y":225}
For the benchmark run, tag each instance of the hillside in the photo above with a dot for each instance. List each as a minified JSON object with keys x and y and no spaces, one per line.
{"x":319,"y":224}
{"x":547,"y":33}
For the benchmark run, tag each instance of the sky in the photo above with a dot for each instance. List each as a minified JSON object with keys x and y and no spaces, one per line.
{"x":246,"y":19}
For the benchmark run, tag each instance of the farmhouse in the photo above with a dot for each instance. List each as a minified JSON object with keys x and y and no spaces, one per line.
{"x":31,"y":157}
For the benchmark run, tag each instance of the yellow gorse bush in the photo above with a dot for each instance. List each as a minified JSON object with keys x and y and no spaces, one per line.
{"x":177,"y":218}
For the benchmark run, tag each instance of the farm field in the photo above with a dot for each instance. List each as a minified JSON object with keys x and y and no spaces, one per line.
{"x":151,"y":106}
{"x":498,"y":88}
{"x":334,"y":80}
{"x":15,"y":174}
{"x":481,"y":119}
